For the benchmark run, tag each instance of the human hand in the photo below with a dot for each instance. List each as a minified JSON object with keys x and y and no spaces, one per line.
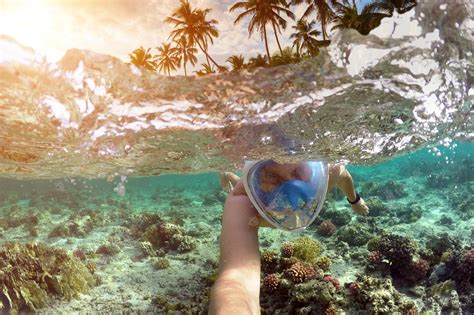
{"x":228,"y":181}
{"x":238,"y":199}
{"x":360,"y":207}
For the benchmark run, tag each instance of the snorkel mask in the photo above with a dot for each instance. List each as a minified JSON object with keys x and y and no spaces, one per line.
{"x":288,"y":196}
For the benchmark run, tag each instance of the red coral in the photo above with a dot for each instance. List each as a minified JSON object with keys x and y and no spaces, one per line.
{"x":330,"y":310}
{"x":469,"y":257}
{"x":418,"y":270}
{"x":354,"y":288}
{"x":375,"y":258}
{"x":287,"y":250}
{"x":334,"y":281}
{"x":271,"y":282}
{"x":326,"y":228}
{"x":300,"y":272}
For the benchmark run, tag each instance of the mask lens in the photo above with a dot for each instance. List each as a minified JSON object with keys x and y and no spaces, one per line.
{"x":289,"y":196}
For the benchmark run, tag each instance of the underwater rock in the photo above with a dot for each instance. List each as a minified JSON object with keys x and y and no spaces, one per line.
{"x":387,"y":191}
{"x":354,"y":234}
{"x":32,"y":274}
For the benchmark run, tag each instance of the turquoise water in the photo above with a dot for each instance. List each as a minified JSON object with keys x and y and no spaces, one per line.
{"x":424,"y":197}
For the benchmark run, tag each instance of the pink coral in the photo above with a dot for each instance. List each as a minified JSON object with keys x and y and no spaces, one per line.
{"x":271,"y":281}
{"x":334,"y":281}
{"x":300,"y":272}
{"x":287,"y":250}
{"x":375,"y":258}
{"x":354,"y":288}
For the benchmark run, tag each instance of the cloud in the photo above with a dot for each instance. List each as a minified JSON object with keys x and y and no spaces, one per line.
{"x":117,"y":27}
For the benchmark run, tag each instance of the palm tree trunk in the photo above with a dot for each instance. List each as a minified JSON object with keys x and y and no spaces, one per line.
{"x":207,"y":60}
{"x":207,"y":55}
{"x":266,"y":44}
{"x":185,"y":73}
{"x":276,"y":35}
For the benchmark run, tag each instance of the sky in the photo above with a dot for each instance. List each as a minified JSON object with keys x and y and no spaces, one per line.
{"x":117,"y":27}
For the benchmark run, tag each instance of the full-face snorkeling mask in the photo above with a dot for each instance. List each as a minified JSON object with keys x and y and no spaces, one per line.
{"x":288,"y":196}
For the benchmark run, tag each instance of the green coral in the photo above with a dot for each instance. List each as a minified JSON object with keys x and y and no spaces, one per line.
{"x":378,"y":296}
{"x":324,"y":262}
{"x":354,"y":234}
{"x":321,"y":292}
{"x":31,"y":273}
{"x":376,"y":206}
{"x":307,"y":249}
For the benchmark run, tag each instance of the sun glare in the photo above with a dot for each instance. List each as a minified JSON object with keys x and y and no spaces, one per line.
{"x":30,"y":22}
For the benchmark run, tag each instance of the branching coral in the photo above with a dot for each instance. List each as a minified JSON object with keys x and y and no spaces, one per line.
{"x":31,"y":273}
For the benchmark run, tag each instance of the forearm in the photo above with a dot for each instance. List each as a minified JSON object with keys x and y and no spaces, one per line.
{"x":238,"y":284}
{"x":339,"y":176}
{"x":229,"y":296}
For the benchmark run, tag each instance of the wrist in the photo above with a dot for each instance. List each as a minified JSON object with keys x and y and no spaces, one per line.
{"x":354,"y":200}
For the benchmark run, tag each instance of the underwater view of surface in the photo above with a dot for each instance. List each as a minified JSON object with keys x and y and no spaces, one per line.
{"x":110,"y":195}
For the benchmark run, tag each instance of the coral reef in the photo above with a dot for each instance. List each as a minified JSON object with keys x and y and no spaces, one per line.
{"x":217,"y":196}
{"x":300,"y":272}
{"x":354,"y":234}
{"x":339,"y":217}
{"x":162,"y":235}
{"x":326,"y":228}
{"x":160,"y":263}
{"x":31,"y":274}
{"x":306,"y":249}
{"x":323,"y":263}
{"x":376,"y":206}
{"x":108,"y":249}
{"x":269,"y":260}
{"x":271,"y":282}
{"x":387,"y":191}
{"x":78,"y":224}
{"x":378,"y":296}
{"x":287,"y":249}
{"x":400,"y":254}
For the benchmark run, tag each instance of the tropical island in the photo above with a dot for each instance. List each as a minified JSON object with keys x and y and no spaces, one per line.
{"x":193,"y":32}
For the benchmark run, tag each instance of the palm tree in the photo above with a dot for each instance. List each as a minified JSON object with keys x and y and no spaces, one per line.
{"x":324,"y":13}
{"x":348,"y":16}
{"x":258,"y":61}
{"x":185,"y":52}
{"x":193,"y":25}
{"x":206,"y":69}
{"x":167,"y":59}
{"x":143,"y":59}
{"x":263,"y":12}
{"x":304,"y":37}
{"x":237,"y":62}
